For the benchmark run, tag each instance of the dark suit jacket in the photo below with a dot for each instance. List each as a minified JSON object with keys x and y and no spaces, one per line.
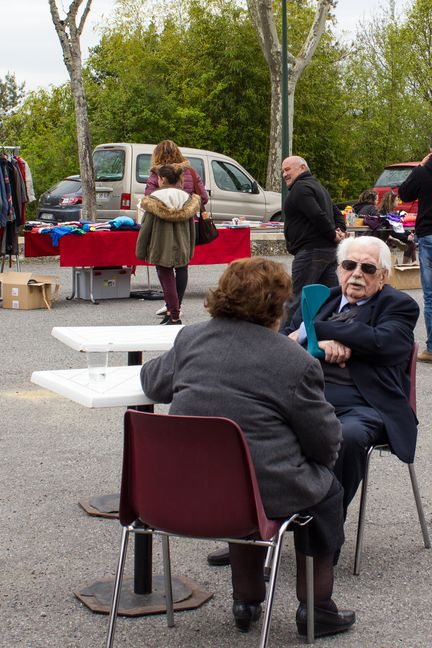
{"x":381,"y":338}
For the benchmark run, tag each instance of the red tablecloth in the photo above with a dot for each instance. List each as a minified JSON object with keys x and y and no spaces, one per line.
{"x":118,"y":248}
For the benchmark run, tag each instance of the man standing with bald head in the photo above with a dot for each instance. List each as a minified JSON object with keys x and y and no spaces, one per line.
{"x":313,"y":229}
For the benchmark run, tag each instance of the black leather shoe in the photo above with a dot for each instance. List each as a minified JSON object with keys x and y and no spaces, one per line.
{"x":219,"y":558}
{"x":245,"y":613}
{"x":326,"y":622}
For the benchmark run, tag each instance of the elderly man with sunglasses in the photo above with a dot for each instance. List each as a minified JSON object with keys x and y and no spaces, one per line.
{"x":366,"y":330}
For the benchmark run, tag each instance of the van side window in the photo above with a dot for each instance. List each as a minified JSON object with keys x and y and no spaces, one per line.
{"x":109,"y":164}
{"x":229,"y":178}
{"x":143,"y":165}
{"x":198,"y":165}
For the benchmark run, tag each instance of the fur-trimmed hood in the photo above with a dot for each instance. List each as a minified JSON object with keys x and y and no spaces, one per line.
{"x":177,"y":165}
{"x":171,"y":204}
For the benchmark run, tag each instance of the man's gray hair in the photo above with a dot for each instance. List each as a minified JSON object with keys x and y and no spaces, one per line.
{"x":303,"y":161}
{"x":364,"y":242}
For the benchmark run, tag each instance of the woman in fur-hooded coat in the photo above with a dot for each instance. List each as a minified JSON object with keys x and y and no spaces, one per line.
{"x":167,"y":235}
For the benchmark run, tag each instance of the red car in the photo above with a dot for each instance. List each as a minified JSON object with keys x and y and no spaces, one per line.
{"x":391,"y":178}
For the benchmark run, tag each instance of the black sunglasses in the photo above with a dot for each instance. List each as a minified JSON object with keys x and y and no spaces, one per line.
{"x":367,"y":268}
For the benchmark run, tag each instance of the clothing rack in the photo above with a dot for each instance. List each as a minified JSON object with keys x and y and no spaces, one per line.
{"x":11,"y":150}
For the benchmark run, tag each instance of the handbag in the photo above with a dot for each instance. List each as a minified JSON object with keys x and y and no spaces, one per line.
{"x":205,"y":229}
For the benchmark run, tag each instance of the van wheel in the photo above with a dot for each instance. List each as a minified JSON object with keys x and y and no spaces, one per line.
{"x":278,"y":218}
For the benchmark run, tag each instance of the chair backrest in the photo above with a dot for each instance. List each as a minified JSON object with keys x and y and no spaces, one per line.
{"x":190,"y":475}
{"x":412,"y":370}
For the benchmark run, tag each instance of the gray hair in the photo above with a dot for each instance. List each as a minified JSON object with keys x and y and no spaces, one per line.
{"x":364,"y":242}
{"x":303,"y":161}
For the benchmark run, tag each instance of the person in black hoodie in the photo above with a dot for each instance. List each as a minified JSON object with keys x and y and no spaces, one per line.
{"x":313,"y":228}
{"x":418,"y":185}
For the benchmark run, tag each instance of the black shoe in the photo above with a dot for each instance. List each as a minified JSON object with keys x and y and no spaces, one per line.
{"x":245,"y":613}
{"x":219,"y":558}
{"x":326,"y":622}
{"x":165,"y":319}
{"x":171,"y":321}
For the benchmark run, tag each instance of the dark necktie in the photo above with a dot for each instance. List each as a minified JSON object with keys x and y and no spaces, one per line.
{"x":348,"y":312}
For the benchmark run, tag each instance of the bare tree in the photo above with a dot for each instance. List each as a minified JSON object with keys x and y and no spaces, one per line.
{"x":69,"y":30}
{"x":264,"y":23}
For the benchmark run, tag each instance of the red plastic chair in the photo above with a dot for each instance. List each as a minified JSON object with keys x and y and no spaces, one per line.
{"x":193,"y":476}
{"x":385,"y":448}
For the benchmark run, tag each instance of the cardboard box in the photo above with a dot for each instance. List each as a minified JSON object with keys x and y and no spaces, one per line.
{"x":107,"y":283}
{"x":405,"y":276}
{"x":26,"y":291}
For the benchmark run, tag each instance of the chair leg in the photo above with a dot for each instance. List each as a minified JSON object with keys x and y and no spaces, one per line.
{"x":117,"y":587}
{"x":362,"y":514}
{"x":267,"y":564}
{"x":168,"y":581}
{"x":310,"y":612}
{"x":275,"y":562}
{"x":419,"y":506}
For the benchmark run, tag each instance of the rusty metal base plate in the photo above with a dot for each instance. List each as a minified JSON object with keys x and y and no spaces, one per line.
{"x":187,"y":595}
{"x":105,"y":506}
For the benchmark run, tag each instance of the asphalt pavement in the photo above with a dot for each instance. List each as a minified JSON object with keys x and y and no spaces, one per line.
{"x":55,"y":452}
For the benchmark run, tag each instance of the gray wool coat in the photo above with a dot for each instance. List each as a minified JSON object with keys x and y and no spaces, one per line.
{"x":271,"y":387}
{"x":167,"y":234}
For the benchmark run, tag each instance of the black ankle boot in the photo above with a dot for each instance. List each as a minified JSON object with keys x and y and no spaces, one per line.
{"x":245,"y":613}
{"x":325,"y":621}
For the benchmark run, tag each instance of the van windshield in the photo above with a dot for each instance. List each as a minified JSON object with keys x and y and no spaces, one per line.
{"x":109,"y":164}
{"x":393,"y":177}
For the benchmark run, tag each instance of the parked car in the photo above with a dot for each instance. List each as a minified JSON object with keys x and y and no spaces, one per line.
{"x":62,"y":202}
{"x":122,"y":170}
{"x":391,"y":178}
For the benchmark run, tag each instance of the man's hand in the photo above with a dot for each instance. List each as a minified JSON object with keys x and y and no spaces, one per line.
{"x":294,"y":335}
{"x":339,"y":235}
{"x":335,"y":352}
{"x":426,"y":158}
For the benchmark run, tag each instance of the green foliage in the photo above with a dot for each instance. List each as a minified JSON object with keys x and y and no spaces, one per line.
{"x":45,"y":129}
{"x":201,"y":81}
{"x":194,"y":72}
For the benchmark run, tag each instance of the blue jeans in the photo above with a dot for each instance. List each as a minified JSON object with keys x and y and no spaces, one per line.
{"x":425,"y":258}
{"x":311,"y":267}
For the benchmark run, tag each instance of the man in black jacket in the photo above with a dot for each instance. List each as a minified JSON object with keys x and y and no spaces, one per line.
{"x":419,"y":185}
{"x":313,"y":229}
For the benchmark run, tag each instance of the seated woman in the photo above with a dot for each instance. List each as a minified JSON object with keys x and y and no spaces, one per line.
{"x":389,"y":207}
{"x":367,"y":207}
{"x":273,"y":389}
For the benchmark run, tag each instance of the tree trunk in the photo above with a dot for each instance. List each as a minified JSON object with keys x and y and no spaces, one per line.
{"x":263,"y":19}
{"x":69,"y":32}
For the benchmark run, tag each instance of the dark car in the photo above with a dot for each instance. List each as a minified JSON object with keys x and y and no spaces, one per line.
{"x":62,"y":202}
{"x":391,"y":179}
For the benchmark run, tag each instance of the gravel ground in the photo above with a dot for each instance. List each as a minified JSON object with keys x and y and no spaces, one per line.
{"x":54,"y":452}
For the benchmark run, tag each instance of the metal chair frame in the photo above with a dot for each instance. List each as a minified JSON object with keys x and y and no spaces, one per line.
{"x":273,"y":543}
{"x":385,"y":448}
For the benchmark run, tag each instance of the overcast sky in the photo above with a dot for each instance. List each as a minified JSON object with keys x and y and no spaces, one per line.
{"x":31,"y":49}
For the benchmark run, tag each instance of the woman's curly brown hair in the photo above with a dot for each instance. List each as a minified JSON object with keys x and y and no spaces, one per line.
{"x":252,"y":289}
{"x":167,"y":152}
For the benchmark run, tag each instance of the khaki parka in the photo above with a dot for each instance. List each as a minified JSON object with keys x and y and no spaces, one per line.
{"x":167,"y":234}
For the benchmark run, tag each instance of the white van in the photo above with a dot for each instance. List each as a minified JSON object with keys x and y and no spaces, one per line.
{"x":122,"y":170}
